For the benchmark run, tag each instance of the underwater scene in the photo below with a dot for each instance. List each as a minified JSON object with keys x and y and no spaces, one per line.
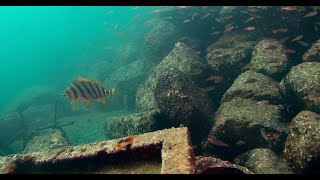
{"x":160,"y":90}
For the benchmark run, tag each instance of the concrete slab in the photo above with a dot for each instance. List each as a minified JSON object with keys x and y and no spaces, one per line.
{"x":173,"y":146}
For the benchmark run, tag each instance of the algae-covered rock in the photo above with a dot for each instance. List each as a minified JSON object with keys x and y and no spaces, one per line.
{"x":226,"y":57}
{"x":302,"y":84}
{"x":244,"y":124}
{"x":210,"y":165}
{"x":269,"y":58}
{"x":126,"y":80}
{"x":160,"y":41}
{"x":183,"y":58}
{"x":229,"y":54}
{"x":302,"y":147}
{"x":133,"y":124}
{"x":12,"y":131}
{"x":55,"y":139}
{"x":256,"y":86}
{"x":36,"y":117}
{"x":35,"y":96}
{"x":263,"y":161}
{"x":184,"y":103}
{"x":313,"y":54}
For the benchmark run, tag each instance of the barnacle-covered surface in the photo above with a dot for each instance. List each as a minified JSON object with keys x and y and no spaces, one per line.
{"x":173,"y":145}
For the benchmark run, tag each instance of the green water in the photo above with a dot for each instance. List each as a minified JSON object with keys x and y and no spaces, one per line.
{"x":49,"y":46}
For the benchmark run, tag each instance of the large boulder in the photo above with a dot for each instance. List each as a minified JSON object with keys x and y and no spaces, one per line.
{"x":36,"y":117}
{"x":210,"y":165}
{"x":263,"y":161}
{"x":126,"y":80}
{"x":269,"y":58}
{"x":256,"y":86}
{"x":313,"y":54}
{"x":244,"y":124}
{"x":35,"y":96}
{"x":11,"y":130}
{"x":183,"y":58}
{"x":134,"y":124}
{"x":184,"y":103}
{"x":302,"y":84}
{"x":55,"y":139}
{"x":302,"y":147}
{"x":226,"y":58}
{"x":159,"y":42}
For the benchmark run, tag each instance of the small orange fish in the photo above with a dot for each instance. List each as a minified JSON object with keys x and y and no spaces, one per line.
{"x":185,"y":21}
{"x":303,"y":43}
{"x":156,"y":11}
{"x":249,"y":28}
{"x":206,"y":15}
{"x":249,"y":19}
{"x":310,"y":14}
{"x":227,"y":17}
{"x":283,"y":40}
{"x":287,"y":8}
{"x":215,"y":33}
{"x":315,"y":7}
{"x":229,"y":29}
{"x":289,"y":51}
{"x":216,"y":79}
{"x":283,"y":30}
{"x":182,"y":7}
{"x":275,"y":31}
{"x":217,"y":142}
{"x":210,"y":88}
{"x":252,"y":10}
{"x":297,"y":38}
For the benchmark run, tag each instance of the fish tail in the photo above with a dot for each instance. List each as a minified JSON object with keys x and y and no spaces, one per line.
{"x":112,"y":91}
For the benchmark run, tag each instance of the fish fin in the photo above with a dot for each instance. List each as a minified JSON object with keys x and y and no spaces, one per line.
{"x":102,"y":100}
{"x":86,"y":103}
{"x":73,"y":103}
{"x":79,"y":78}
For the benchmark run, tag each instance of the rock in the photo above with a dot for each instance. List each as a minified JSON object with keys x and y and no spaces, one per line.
{"x":231,"y":51}
{"x":313,"y":54}
{"x":183,"y":58}
{"x":126,"y":79}
{"x":47,"y":142}
{"x":302,"y":147}
{"x":256,"y":86}
{"x":160,"y":41}
{"x":244,"y":124}
{"x":138,"y":123}
{"x":36,"y":117}
{"x":35,"y":96}
{"x":270,"y":59}
{"x":210,"y":165}
{"x":226,"y":58}
{"x":302,"y":84}
{"x":263,"y":161}
{"x":184,"y":103}
{"x":11,"y":128}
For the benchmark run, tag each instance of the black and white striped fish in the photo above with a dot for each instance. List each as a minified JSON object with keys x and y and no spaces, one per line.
{"x":83,"y":89}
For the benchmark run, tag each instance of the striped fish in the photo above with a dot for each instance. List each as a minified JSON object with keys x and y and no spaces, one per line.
{"x":83,"y":89}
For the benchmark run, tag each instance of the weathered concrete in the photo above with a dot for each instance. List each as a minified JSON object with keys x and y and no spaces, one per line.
{"x":176,"y":154}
